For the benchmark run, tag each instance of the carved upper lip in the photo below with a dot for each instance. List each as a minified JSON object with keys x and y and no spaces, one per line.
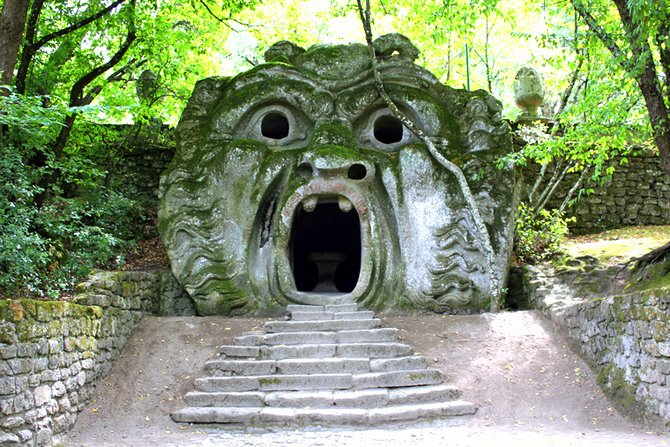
{"x":309,"y":194}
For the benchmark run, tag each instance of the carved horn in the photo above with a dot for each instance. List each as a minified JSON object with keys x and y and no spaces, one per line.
{"x":388,"y":44}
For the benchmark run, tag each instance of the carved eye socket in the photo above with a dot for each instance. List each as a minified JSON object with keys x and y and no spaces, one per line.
{"x":278,"y":125}
{"x":387,"y":129}
{"x":275,"y":125}
{"x":383,"y":131}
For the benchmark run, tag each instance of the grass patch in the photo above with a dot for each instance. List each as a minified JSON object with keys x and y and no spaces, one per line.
{"x":620,"y":245}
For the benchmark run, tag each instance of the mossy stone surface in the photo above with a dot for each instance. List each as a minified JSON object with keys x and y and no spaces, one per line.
{"x":258,"y":151}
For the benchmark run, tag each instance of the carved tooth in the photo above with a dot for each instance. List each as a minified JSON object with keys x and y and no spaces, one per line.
{"x":309,"y":204}
{"x":345,"y":204}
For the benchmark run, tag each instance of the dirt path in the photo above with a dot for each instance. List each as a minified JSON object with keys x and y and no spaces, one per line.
{"x":530,"y":389}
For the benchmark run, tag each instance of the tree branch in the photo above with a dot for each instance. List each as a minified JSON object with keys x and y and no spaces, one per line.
{"x":223,"y":21}
{"x":495,"y":285}
{"x":114,"y":77}
{"x":28,"y":52}
{"x":571,"y":86}
{"x":30,"y":47}
{"x":599,"y":31}
{"x":77,"y":91}
{"x":49,"y":37}
{"x":574,"y":189}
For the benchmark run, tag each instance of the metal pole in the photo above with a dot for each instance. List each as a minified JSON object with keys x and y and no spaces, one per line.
{"x":467,"y":66}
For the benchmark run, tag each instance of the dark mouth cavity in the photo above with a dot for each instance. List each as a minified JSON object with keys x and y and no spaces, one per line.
{"x":325,"y":248}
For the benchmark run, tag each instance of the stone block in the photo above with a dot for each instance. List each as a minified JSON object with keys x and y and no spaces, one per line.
{"x":297,"y":338}
{"x":298,"y":351}
{"x":326,"y":325}
{"x":299,"y":399}
{"x":240,"y":367}
{"x":7,"y":385}
{"x":225,"y":399}
{"x":58,"y":389}
{"x":367,"y":335}
{"x":311,"y":316}
{"x":423,"y":394}
{"x":394,"y":379}
{"x":373,"y":350}
{"x":664,"y":348}
{"x":305,"y":382}
{"x":322,"y":365}
{"x":13,"y":422}
{"x":398,"y":363}
{"x":42,"y":395}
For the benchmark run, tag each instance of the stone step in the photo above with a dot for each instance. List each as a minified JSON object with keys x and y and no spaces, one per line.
{"x":225,"y":399}
{"x":423,"y":394}
{"x":319,"y":380}
{"x":274,"y":382}
{"x":240,"y":367}
{"x":249,"y":340}
{"x":352,"y":307}
{"x":398,"y":363}
{"x":393,"y":379}
{"x":398,"y":413}
{"x":313,"y":337}
{"x":323,"y":365}
{"x":374,"y":350}
{"x":234,"y":351}
{"x":328,"y":399}
{"x":281,"y":352}
{"x":368,"y":335}
{"x":326,"y":315}
{"x":320,"y":325}
{"x":355,"y":350}
{"x":326,"y":416}
{"x":368,"y":398}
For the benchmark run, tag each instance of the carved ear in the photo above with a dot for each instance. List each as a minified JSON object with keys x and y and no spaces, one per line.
{"x":395,"y":45}
{"x":283,"y":51}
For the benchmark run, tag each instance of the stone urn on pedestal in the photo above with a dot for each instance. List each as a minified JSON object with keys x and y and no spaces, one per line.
{"x":529,"y":94}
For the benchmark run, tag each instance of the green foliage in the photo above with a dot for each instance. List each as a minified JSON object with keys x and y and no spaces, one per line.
{"x":45,"y":250}
{"x":539,"y":237}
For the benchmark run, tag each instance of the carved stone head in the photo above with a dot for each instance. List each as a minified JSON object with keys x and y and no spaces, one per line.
{"x":294,"y":183}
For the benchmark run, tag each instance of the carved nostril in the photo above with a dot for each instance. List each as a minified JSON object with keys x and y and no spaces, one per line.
{"x":357,"y":171}
{"x":305,"y":170}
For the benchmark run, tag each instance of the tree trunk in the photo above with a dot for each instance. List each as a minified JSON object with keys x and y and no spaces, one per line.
{"x":649,"y":84}
{"x":12,"y":23}
{"x":646,"y":77}
{"x":658,"y":115}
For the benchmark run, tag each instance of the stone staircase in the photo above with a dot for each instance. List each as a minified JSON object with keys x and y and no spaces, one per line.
{"x":330,"y":365}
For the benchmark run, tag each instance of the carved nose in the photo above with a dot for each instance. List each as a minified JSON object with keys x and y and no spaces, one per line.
{"x":333,"y":133}
{"x":334,"y":166}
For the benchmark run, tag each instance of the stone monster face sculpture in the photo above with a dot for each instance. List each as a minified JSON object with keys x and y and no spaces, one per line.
{"x":294,"y":183}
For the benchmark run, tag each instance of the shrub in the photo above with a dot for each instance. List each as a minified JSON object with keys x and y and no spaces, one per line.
{"x":539,"y":237}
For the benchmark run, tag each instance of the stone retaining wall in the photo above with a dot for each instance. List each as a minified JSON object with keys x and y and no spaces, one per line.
{"x":637,"y":194}
{"x":140,"y":171}
{"x":625,"y":337}
{"x":53,"y":352}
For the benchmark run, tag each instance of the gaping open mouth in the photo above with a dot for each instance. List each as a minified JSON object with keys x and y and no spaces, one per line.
{"x":325,"y":245}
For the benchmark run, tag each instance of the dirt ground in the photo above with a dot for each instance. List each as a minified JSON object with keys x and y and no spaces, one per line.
{"x":530,"y":389}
